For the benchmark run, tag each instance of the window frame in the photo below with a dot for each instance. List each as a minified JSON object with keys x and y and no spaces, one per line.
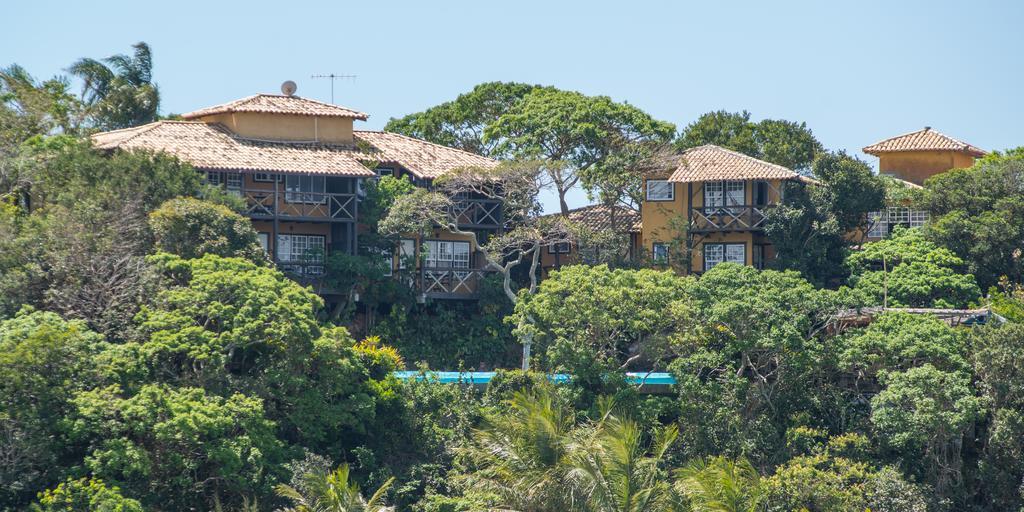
{"x":305,"y":196}
{"x":442,"y":254}
{"x":656,"y":247}
{"x":265,"y":177}
{"x":671,"y":191}
{"x":303,"y":253}
{"x":724,"y":247}
{"x":557,"y":248}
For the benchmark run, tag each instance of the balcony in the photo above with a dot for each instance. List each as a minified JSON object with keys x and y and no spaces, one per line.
{"x":300,"y":206}
{"x":727,"y":218}
{"x":477,"y":213}
{"x":451,"y":283}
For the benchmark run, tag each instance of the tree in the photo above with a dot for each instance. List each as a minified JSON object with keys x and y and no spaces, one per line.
{"x":191,"y":227}
{"x":589,"y":321}
{"x":907,"y":270}
{"x":572,"y":133}
{"x":616,"y":471}
{"x":177,"y":448}
{"x":44,"y":361}
{"x":810,"y":228}
{"x":781,"y":142}
{"x":720,"y":484}
{"x":924,"y":413}
{"x":978,"y":213}
{"x":521,"y":452}
{"x":332,"y":492}
{"x":461,"y":123}
{"x":119,"y":90}
{"x":1000,"y":379}
{"x":897,"y":341}
{"x":85,"y":495}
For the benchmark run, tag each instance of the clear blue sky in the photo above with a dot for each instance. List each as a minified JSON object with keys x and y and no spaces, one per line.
{"x":856,"y":72}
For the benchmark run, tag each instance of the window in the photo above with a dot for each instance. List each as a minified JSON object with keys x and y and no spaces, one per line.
{"x":264,"y":177}
{"x":880,"y":223}
{"x":301,"y":248}
{"x":264,"y":241}
{"x":724,"y":253}
{"x":660,"y":190}
{"x":758,"y":256}
{"x":305,"y":189}
{"x":660,"y":253}
{"x":406,"y":253}
{"x":760,"y":193}
{"x":384,"y":171}
{"x":213,"y":178}
{"x":559,"y":248}
{"x":233,"y":182}
{"x":713,"y":196}
{"x":447,"y":254}
{"x":735,"y":195}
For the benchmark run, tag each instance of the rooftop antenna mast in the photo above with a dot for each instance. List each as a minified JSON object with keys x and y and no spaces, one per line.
{"x":334,"y":77}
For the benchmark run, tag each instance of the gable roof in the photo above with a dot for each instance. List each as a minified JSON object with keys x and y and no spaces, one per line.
{"x":423,"y":159}
{"x":923,"y":140}
{"x":713,"y":163}
{"x":597,"y":217}
{"x":278,"y":104}
{"x":211,"y":146}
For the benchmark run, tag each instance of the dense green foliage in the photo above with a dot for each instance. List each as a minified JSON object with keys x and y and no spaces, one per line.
{"x":152,"y":359}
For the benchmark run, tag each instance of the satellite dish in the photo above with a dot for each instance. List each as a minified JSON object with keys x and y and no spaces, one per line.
{"x":288,"y":88}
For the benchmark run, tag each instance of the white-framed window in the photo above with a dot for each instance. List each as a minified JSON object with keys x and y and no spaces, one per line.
{"x":305,"y":189}
{"x":406,"y":253}
{"x":714,"y":194}
{"x":264,"y":177}
{"x":660,"y":190}
{"x":659,"y":252}
{"x":384,"y":171}
{"x":735,"y":193}
{"x":447,"y":254}
{"x":264,"y":241}
{"x":213,"y":178}
{"x":233,"y":183}
{"x":301,"y":248}
{"x":724,"y":253}
{"x":559,"y":248}
{"x":880,"y":223}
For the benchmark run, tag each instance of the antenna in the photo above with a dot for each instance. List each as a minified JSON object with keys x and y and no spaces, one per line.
{"x":333,"y":77}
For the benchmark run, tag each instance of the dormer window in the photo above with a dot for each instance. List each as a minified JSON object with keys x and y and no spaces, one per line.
{"x":384,"y":171}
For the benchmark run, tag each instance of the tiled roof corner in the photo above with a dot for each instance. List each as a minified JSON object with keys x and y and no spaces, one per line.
{"x":278,"y":104}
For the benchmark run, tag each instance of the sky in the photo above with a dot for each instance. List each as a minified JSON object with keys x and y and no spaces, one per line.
{"x":855,"y":72}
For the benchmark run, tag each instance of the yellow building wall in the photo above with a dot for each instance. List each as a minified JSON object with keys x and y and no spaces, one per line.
{"x":917,"y":166}
{"x":295,"y":128}
{"x":665,"y":222}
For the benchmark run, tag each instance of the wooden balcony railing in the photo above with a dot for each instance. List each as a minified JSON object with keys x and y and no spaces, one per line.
{"x":478,"y":213}
{"x":451,"y":283}
{"x":727,"y":218}
{"x":317,"y":206}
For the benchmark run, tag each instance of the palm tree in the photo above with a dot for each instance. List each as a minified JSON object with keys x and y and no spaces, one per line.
{"x":617,"y":471}
{"x":720,"y":484}
{"x":332,"y":492}
{"x":119,"y":90}
{"x":520,"y":453}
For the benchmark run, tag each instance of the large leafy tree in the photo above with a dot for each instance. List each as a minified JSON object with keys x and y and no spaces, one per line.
{"x":978,"y":213}
{"x":573,"y":134}
{"x":179,"y":448}
{"x":119,"y":90}
{"x":786,"y":143}
{"x":810,"y":227}
{"x":924,"y":413}
{"x":44,"y":362}
{"x":461,"y":123}
{"x":908,"y":270}
{"x":190,"y":228}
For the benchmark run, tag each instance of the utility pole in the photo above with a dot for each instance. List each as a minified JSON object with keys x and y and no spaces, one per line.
{"x":333,"y":77}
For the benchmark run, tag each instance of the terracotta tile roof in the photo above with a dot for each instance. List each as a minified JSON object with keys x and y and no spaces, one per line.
{"x":424,"y":159}
{"x":598,"y":217}
{"x":211,"y":146}
{"x":711,"y":163}
{"x":923,"y":140}
{"x":278,"y":104}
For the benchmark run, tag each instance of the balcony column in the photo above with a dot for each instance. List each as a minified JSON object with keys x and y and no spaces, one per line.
{"x":273,"y":244}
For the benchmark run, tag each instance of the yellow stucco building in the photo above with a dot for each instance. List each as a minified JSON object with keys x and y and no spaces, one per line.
{"x":300,"y":166}
{"x":711,"y":209}
{"x":912,"y":158}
